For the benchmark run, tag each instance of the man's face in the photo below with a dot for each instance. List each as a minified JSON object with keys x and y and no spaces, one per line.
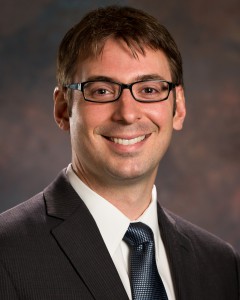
{"x":126,"y":139}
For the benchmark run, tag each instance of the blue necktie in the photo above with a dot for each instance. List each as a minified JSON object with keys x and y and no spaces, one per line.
{"x":146,"y":284}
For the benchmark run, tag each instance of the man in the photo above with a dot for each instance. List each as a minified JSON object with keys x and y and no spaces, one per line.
{"x":120,"y":95}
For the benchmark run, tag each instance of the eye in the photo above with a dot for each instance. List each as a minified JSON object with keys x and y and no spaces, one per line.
{"x":149,"y":90}
{"x":98,"y":89}
{"x":101,"y":91}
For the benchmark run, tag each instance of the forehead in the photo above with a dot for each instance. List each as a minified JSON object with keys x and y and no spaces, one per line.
{"x":119,"y":62}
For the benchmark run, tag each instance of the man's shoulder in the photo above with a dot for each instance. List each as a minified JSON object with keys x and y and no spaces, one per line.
{"x":20,"y":216}
{"x":33,"y":210}
{"x":200,"y":238}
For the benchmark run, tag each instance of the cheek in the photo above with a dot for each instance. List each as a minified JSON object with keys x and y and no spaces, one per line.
{"x":87,"y":117}
{"x":160,"y":113}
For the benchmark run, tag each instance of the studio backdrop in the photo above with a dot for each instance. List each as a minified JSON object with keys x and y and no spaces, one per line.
{"x":200,"y":176}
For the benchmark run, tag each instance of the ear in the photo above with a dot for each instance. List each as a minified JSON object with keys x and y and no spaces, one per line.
{"x":61,"y":113}
{"x":180,"y":112}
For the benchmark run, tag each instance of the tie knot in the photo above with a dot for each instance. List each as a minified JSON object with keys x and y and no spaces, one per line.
{"x":138,"y":233}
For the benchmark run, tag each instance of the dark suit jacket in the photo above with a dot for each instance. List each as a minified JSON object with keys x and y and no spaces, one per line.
{"x":51,"y":248}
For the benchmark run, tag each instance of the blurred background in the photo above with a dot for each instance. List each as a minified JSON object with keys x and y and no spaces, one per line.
{"x":199,"y":178}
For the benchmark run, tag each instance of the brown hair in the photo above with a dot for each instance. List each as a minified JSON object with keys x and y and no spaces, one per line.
{"x":135,"y":27}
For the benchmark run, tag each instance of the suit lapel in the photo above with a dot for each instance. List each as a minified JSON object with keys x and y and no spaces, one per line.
{"x":81,"y":241}
{"x":182,"y":260}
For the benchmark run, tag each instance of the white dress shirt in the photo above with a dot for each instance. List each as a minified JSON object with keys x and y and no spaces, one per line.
{"x":113,"y":224}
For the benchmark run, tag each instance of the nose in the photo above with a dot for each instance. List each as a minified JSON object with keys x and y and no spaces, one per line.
{"x":127,"y":109}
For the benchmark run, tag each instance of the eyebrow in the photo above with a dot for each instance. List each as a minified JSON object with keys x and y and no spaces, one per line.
{"x":150,"y":77}
{"x":138,"y":78}
{"x":100,"y":78}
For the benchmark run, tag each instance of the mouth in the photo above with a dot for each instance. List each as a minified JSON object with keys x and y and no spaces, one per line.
{"x":127,"y":142}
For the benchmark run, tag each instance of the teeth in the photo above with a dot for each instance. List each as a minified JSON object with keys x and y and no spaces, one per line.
{"x":128,"y":142}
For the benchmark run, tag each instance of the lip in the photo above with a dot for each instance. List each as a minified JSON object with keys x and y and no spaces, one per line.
{"x":127,"y":142}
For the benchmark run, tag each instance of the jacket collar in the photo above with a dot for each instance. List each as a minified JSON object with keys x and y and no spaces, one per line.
{"x":181,"y":256}
{"x":80,"y":240}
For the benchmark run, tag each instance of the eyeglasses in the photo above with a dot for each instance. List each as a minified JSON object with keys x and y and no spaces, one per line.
{"x":109,"y":91}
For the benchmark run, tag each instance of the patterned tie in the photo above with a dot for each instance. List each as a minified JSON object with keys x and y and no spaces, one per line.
{"x":146,"y":284}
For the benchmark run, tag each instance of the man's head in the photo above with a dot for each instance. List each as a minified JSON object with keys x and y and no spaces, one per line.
{"x":121,"y":141}
{"x":136,"y":28}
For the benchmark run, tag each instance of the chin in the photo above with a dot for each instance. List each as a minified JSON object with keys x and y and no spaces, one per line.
{"x":131,"y":174}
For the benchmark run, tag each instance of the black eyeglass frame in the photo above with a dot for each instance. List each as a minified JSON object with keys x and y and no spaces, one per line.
{"x":80,"y":87}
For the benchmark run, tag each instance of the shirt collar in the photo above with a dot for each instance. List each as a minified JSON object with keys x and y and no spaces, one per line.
{"x":111,"y":222}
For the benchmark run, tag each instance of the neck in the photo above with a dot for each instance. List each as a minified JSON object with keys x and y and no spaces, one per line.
{"x":131,"y":197}
{"x":132,"y":201}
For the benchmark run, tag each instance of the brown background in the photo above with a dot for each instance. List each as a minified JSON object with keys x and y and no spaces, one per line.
{"x":199,"y":177}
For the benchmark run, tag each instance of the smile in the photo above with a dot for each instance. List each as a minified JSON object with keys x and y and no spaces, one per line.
{"x":128,"y":141}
